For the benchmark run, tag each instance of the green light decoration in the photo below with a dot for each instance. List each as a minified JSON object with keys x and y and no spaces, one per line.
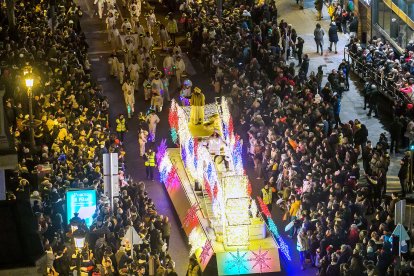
{"x":260,"y":259}
{"x":174,"y":135}
{"x":237,"y":262}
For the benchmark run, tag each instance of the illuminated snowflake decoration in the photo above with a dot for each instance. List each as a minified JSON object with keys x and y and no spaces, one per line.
{"x":238,"y":261}
{"x":205,"y":253}
{"x":260,"y":259}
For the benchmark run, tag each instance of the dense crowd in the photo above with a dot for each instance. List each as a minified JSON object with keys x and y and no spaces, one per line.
{"x":71,"y":135}
{"x":291,"y":128}
{"x":379,"y":63}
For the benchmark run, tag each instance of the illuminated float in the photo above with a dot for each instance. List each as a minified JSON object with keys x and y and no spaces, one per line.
{"x":211,"y":194}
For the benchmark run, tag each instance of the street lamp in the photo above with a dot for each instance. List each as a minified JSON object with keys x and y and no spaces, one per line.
{"x":79,"y":239}
{"x":29,"y":84}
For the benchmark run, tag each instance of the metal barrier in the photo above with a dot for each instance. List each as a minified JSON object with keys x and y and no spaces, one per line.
{"x":367,"y":72}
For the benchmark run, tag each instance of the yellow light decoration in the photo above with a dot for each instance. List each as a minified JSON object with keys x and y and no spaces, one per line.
{"x":237,"y":235}
{"x":235,"y":186}
{"x":237,"y":211}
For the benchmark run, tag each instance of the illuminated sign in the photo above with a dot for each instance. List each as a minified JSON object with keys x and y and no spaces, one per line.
{"x":82,"y":202}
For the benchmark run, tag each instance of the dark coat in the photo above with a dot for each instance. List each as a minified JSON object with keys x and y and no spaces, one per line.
{"x":353,"y":26}
{"x":333,"y":33}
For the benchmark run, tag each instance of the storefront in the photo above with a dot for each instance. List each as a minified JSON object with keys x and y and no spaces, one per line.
{"x":394,"y":20}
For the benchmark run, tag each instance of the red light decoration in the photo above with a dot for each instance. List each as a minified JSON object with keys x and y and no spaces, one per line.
{"x":208,"y":188}
{"x":190,"y":219}
{"x":231,"y":126}
{"x":249,"y":188}
{"x":215,"y":191}
{"x":173,"y":118}
{"x":263,"y":207}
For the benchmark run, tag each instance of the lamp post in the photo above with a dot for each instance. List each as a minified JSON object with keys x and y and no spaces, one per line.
{"x":79,"y":240}
{"x":29,"y":84}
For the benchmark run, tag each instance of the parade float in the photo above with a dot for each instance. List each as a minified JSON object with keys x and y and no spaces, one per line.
{"x":229,"y":232}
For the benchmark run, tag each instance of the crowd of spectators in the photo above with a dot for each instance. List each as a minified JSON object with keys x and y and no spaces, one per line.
{"x":72,"y":133}
{"x":291,"y":128}
{"x":379,"y":63}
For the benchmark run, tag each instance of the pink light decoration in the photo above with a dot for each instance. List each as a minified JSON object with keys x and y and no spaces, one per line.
{"x":173,"y":180}
{"x":263,"y":207}
{"x":260,"y":259}
{"x":206,"y":252}
{"x":195,"y":146}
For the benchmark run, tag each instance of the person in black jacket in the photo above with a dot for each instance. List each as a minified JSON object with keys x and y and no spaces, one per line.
{"x":353,"y":26}
{"x":305,"y":65}
{"x":61,"y":263}
{"x":395,"y":131}
{"x":403,"y":172}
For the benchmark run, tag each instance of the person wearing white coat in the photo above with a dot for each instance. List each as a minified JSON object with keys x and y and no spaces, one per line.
{"x":133,"y":70}
{"x":113,"y":63}
{"x":152,"y":120}
{"x":128,"y":89}
{"x":101,"y":7}
{"x":142,"y":140}
{"x":179,"y":69}
{"x":167,"y":65}
{"x":151,"y":20}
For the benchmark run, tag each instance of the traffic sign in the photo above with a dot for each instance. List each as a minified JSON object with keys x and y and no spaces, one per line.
{"x":401,"y":233}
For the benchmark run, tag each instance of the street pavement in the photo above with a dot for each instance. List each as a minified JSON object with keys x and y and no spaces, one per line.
{"x":304,"y":23}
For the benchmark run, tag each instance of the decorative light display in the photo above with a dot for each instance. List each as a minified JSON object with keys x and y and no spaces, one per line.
{"x":174,"y":135}
{"x":196,"y":239}
{"x":206,"y":252}
{"x":263,"y":207}
{"x":190,"y":218}
{"x":249,"y":189}
{"x":161,"y":151}
{"x":237,"y":262}
{"x":237,"y":211}
{"x":273,"y":228}
{"x":281,"y":243}
{"x":237,"y":157}
{"x":173,"y":180}
{"x":230,"y":200}
{"x":237,"y":235}
{"x":235,"y":186}
{"x":260,"y":258}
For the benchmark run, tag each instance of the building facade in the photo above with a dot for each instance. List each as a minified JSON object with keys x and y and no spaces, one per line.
{"x":393,"y":20}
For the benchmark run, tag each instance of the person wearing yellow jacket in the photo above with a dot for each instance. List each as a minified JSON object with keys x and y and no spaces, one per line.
{"x":197,"y":103}
{"x":172,"y":27}
{"x":293,"y":211}
{"x":121,"y":127}
{"x":149,"y":158}
{"x":267,"y":196}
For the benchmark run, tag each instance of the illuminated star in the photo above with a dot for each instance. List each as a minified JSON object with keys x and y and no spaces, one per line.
{"x":205,"y":253}
{"x":238,"y":261}
{"x":260,"y":259}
